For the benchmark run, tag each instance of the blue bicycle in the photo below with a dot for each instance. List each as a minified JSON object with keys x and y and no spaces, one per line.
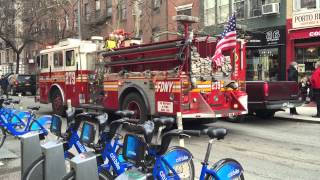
{"x":175,"y":163}
{"x":17,"y":123}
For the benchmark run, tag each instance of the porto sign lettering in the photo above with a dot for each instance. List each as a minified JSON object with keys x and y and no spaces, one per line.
{"x":306,"y":19}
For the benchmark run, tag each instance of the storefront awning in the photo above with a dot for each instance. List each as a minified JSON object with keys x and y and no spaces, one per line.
{"x":304,"y":33}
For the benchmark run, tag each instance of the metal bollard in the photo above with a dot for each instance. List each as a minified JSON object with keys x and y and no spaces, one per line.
{"x":54,"y":167}
{"x":30,"y":150}
{"x":180,"y":126}
{"x":85,"y":166}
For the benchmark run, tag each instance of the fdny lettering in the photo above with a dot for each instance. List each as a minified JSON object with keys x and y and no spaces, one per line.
{"x":164,"y":86}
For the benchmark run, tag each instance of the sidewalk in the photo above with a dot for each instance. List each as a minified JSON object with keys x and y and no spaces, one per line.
{"x":305,"y":112}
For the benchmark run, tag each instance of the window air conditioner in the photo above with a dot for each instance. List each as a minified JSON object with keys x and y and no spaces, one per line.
{"x":272,"y":8}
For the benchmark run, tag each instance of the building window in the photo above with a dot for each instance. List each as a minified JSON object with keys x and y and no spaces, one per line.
{"x":75,"y":18}
{"x":86,"y":11}
{"x":155,"y":34}
{"x":109,"y":8}
{"x":263,"y":64}
{"x":254,"y":7}
{"x":209,"y":12}
{"x":223,"y":11}
{"x":44,"y":61}
{"x":124,"y":10}
{"x":306,"y":4}
{"x":307,"y":57}
{"x":70,"y":58}
{"x":58,"y":59}
{"x":156,"y":4}
{"x":97,"y":5}
{"x":238,"y":7}
{"x":67,"y":22}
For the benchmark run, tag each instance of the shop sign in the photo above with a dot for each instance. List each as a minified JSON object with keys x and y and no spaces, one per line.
{"x":306,"y":19}
{"x":273,"y":36}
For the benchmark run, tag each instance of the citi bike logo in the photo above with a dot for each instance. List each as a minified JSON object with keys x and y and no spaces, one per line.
{"x":82,"y":149}
{"x":163,"y":175}
{"x":233,"y":172}
{"x":180,"y":159}
{"x":115,"y":161}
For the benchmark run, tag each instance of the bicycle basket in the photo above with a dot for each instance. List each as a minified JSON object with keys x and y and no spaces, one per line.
{"x":88,"y":133}
{"x":55,"y":127}
{"x":134,"y":149}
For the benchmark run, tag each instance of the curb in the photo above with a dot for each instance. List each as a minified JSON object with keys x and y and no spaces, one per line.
{"x":298,"y":120}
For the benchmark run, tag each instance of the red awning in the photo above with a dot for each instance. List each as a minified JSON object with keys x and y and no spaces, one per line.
{"x":304,"y":33}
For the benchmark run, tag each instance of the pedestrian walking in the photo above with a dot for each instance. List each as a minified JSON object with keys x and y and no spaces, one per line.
{"x":315,"y":84}
{"x":293,"y":76}
{"x":4,"y":85}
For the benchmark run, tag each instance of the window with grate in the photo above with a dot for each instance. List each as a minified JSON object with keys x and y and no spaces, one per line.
{"x":124,"y":10}
{"x":209,"y":12}
{"x":223,"y":11}
{"x":109,"y":8}
{"x":254,"y":7}
{"x":239,"y":8}
{"x":86,"y":11}
{"x":156,"y":4}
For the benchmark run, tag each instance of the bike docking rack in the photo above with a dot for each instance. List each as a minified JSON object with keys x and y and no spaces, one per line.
{"x":85,"y":166}
{"x":53,"y":167}
{"x":30,"y":150}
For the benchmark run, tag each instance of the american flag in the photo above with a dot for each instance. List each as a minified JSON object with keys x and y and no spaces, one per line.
{"x":228,"y":41}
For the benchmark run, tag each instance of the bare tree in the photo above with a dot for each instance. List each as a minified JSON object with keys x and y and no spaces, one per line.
{"x":25,"y":21}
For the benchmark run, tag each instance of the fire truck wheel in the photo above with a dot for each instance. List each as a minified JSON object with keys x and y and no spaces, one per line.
{"x":236,"y":119}
{"x":57,"y":103}
{"x":134,"y":102}
{"x":265,"y":114}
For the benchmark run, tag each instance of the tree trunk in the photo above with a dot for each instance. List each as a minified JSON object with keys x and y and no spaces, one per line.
{"x":18,"y":62}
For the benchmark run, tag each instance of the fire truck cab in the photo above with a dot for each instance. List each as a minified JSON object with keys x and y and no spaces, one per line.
{"x":64,"y":72}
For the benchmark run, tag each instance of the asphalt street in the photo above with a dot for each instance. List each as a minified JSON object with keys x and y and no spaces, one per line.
{"x":267,"y":149}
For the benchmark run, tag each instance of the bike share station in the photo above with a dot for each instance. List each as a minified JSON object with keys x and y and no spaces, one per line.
{"x":53,"y":166}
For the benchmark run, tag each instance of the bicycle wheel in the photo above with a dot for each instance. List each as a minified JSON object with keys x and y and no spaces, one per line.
{"x":184,"y":169}
{"x":227,"y":169}
{"x":3,"y":136}
{"x":32,"y":167}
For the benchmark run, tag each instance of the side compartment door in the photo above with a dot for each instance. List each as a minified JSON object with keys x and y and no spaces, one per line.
{"x":167,"y":97}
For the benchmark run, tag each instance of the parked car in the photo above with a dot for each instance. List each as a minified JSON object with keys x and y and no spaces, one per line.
{"x":265,"y":98}
{"x":22,"y":83}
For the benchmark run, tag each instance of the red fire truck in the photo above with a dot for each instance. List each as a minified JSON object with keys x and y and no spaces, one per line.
{"x":158,"y":79}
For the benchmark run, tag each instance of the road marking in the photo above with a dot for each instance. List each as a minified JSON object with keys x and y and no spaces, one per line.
{"x":1,"y":163}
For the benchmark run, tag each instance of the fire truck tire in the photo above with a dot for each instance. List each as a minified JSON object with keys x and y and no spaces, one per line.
{"x":265,"y":114}
{"x":134,"y":101}
{"x":236,"y":119}
{"x":57,"y":103}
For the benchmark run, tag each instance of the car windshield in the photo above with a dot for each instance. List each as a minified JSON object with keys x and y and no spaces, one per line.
{"x":24,"y":78}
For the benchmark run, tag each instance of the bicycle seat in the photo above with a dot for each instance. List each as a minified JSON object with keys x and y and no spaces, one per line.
{"x":147,"y":129}
{"x":125,"y":113}
{"x":164,"y":121}
{"x":102,"y":118}
{"x":92,"y":117}
{"x":215,"y":133}
{"x":34,"y":108}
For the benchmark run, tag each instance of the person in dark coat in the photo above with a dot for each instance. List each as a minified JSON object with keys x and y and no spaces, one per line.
{"x":293,"y":76}
{"x":315,"y":84}
{"x":4,"y":85}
